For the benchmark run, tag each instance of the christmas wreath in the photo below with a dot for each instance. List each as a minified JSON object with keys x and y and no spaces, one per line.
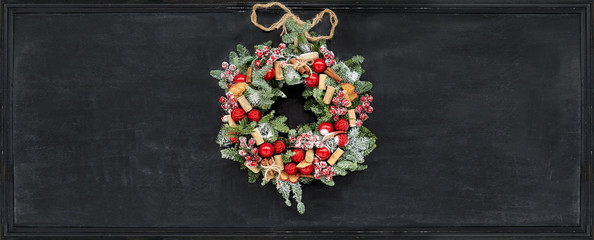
{"x":253,"y":135}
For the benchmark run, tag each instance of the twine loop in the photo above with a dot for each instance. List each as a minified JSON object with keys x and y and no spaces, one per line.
{"x":272,"y":169}
{"x":288,"y":14}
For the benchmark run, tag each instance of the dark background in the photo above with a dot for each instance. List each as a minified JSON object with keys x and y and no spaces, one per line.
{"x":479,"y":120}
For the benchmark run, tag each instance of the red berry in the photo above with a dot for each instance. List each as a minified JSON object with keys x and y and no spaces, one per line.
{"x":239,"y":78}
{"x":258,"y":63}
{"x":222,"y":99}
{"x":318,"y":65}
{"x":290,"y":168}
{"x":370,"y":109}
{"x":341,"y":125}
{"x":254,"y":115}
{"x":363,"y":116}
{"x":323,"y":153}
{"x":325,"y":128}
{"x":312,"y":80}
{"x":233,"y":139}
{"x":359,"y":123}
{"x":298,"y":156}
{"x":335,"y":100}
{"x":269,"y":75}
{"x":363,"y":99}
{"x":266,"y":150}
{"x":340,"y":94}
{"x":359,"y":108}
{"x":343,"y":139}
{"x":277,"y":51}
{"x":369,"y":98}
{"x":259,"y":53}
{"x":279,"y":146}
{"x":335,"y":118}
{"x":237,"y":114}
{"x":345,"y":102}
{"x":306,"y":170}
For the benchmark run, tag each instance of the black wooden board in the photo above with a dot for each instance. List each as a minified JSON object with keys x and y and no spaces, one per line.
{"x":483,"y":114}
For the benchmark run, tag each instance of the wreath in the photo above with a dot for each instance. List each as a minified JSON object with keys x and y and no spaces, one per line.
{"x":253,"y":135}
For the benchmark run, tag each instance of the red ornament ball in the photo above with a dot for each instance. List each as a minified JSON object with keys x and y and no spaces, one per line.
{"x":298,"y":156}
{"x":254,"y":115}
{"x":237,"y":114}
{"x":341,"y":125}
{"x":323,"y":153}
{"x":266,"y":150}
{"x":279,"y":146}
{"x":312,"y":80}
{"x":343,"y":140}
{"x":325,"y":128}
{"x":269,"y":75}
{"x":290,"y":168}
{"x":239,"y":78}
{"x":306,"y":170}
{"x":318,"y":65}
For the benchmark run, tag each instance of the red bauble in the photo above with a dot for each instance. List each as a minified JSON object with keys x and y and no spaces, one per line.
{"x":306,"y":170}
{"x":341,"y":125}
{"x":312,"y":80}
{"x":279,"y":146}
{"x":318,"y":65}
{"x":237,"y":114}
{"x":269,"y":75}
{"x":290,"y":168}
{"x":323,"y":153}
{"x":266,"y":150}
{"x":298,"y":156}
{"x":254,"y":115}
{"x":325,"y":128}
{"x":239,"y":78}
{"x":343,"y":139}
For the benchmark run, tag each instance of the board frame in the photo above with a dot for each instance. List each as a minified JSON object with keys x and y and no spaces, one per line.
{"x":10,"y":230}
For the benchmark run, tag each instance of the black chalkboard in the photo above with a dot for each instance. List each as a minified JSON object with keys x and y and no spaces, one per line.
{"x":483,"y":114}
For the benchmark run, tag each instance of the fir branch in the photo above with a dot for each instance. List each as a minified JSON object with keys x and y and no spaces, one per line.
{"x":318,"y":95}
{"x":308,"y":92}
{"x":305,"y":180}
{"x":266,"y":44}
{"x":287,"y":156}
{"x":252,"y":176}
{"x":339,"y":171}
{"x":242,"y":51}
{"x":232,"y":154}
{"x":297,"y":195}
{"x":216,"y":74}
{"x":354,"y":61}
{"x":243,"y":63}
{"x":329,"y":183}
{"x":285,"y":190}
{"x":233,"y":58}
{"x":266,"y":118}
{"x":289,"y":38}
{"x":222,"y":137}
{"x":363,"y":86}
{"x":303,"y":44}
{"x":278,"y":124}
{"x":223,"y":84}
{"x":292,"y":77}
{"x":347,"y":165}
